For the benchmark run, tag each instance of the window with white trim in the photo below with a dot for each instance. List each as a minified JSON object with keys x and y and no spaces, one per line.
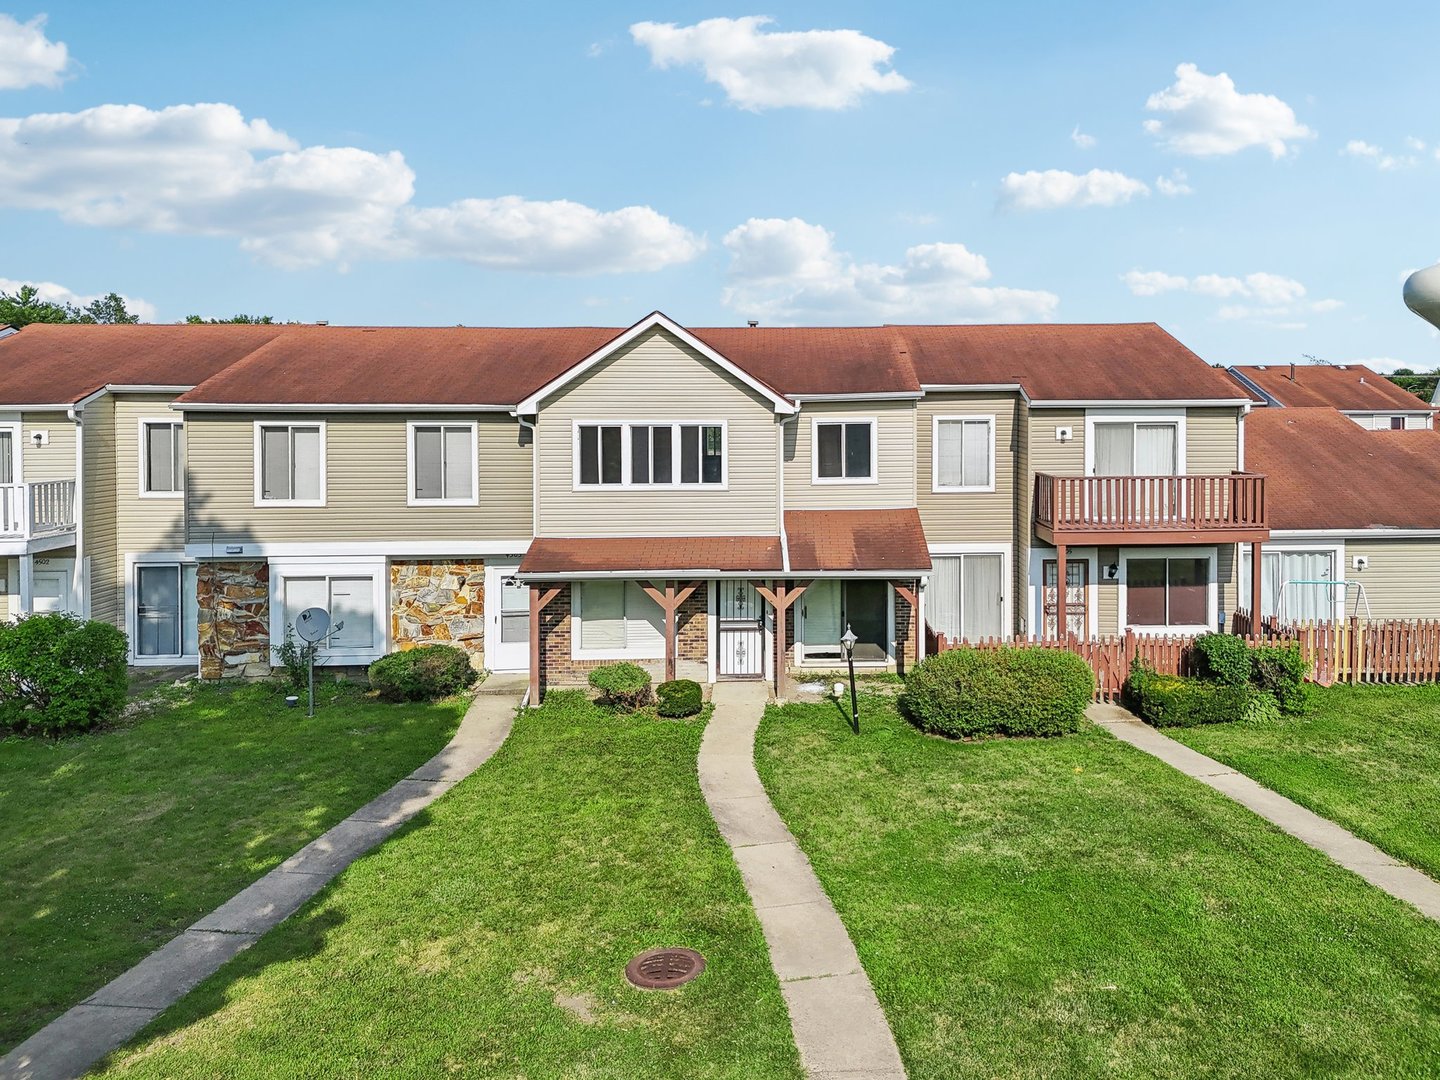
{"x":442,"y":464}
{"x":167,"y":610}
{"x":350,"y":599}
{"x":966,"y":596}
{"x":616,"y":619}
{"x":1295,"y":585}
{"x":290,"y":463}
{"x":9,"y":440}
{"x":1126,"y":448}
{"x":964,"y":454}
{"x":1167,"y":591}
{"x":649,"y":455}
{"x":844,"y":451}
{"x":162,"y":457}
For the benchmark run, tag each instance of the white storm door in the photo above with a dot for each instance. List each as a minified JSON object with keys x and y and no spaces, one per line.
{"x":507,"y":617}
{"x":50,"y":591}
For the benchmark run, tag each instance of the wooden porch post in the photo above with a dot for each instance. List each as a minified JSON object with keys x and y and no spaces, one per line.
{"x":539,"y":601}
{"x":1061,"y":624}
{"x":670,"y":601}
{"x":781,"y":598}
{"x":1257,"y":577}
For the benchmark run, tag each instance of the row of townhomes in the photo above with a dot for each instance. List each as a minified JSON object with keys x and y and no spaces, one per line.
{"x":719,"y":503}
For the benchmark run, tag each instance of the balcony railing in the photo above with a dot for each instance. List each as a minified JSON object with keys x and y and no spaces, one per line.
{"x":28,"y":511}
{"x":1229,"y":503}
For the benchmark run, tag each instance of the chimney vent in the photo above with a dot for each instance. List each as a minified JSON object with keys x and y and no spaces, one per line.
{"x":752,"y":323}
{"x":1292,"y":372}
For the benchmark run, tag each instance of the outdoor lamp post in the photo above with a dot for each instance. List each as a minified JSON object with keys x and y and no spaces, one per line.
{"x":847,"y":643}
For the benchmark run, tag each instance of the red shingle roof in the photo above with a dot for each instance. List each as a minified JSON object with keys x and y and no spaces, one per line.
{"x":652,"y":554}
{"x":829,"y":540}
{"x":1324,"y":471}
{"x":1352,"y":387}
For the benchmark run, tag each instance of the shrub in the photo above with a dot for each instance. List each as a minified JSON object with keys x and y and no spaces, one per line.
{"x":423,"y":674}
{"x":1175,"y":701}
{"x":1280,"y":670}
{"x":1009,"y":691}
{"x":625,"y":685}
{"x":1224,"y":658}
{"x":60,"y":674}
{"x":681,"y":697}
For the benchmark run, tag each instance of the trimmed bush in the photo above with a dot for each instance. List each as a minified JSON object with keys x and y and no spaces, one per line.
{"x":1175,"y":701}
{"x":1224,"y":658}
{"x":60,"y":674}
{"x":681,"y":697}
{"x":625,"y":686}
{"x":1008,"y":691}
{"x":1280,"y":670}
{"x":424,"y":674}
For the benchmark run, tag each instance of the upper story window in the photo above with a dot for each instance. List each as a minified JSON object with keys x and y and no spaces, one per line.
{"x":649,"y":455}
{"x":9,"y":438}
{"x":442,"y":465}
{"x":844,"y":451}
{"x":290,"y":464}
{"x":1397,"y":423}
{"x":964,"y":453}
{"x":1136,"y":448}
{"x":162,"y":458}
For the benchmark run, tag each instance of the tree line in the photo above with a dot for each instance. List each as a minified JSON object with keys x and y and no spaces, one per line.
{"x":25,"y":306}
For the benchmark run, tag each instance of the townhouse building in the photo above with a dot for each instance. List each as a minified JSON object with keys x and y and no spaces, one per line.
{"x":1365,"y":396}
{"x":717,"y":502}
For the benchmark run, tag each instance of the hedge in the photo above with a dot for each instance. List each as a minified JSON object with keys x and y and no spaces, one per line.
{"x":60,"y":674}
{"x":679,"y":697}
{"x":1175,"y":701}
{"x":1008,"y":691}
{"x":427,"y":673}
{"x":625,"y":686}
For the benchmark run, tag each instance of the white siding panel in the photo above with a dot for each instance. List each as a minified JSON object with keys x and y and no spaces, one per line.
{"x":894,"y":457}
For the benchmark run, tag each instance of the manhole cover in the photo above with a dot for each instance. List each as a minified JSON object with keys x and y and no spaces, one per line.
{"x":664,"y":969}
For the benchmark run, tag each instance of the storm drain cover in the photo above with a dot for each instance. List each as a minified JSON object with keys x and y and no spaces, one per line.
{"x":664,"y":969}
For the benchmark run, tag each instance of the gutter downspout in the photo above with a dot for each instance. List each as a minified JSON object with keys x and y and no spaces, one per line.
{"x":80,"y":580}
{"x":534,"y":472}
{"x":780,"y":477}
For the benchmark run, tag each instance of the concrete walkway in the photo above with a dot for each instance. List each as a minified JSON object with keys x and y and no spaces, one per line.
{"x":1347,"y":849}
{"x":834,"y":1014}
{"x":110,"y":1017}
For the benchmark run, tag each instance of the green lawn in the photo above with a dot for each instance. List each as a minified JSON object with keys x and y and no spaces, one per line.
{"x":489,"y":937}
{"x":1074,"y":908}
{"x":1367,"y":757}
{"x":113,"y":842}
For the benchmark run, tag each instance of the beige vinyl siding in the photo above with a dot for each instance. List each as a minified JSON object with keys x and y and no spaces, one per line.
{"x":100,"y":506}
{"x":1228,"y":579}
{"x":142,"y":524}
{"x":1402,"y":580}
{"x":1212,"y":440}
{"x":960,"y":517}
{"x":1381,"y":421}
{"x":10,"y":593}
{"x":657,"y":378}
{"x":895,"y":480}
{"x":1106,"y":594}
{"x":365,"y":488}
{"x":1047,"y":454}
{"x":55,"y":460}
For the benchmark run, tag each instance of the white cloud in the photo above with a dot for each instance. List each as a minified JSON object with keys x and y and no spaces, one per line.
{"x":28,"y":57}
{"x":1412,"y":143}
{"x":1177,"y":183}
{"x":206,"y":170}
{"x":1387,"y":364}
{"x":1383,"y":161}
{"x":1272,"y":297}
{"x":812,"y":69}
{"x":59,"y":294}
{"x":1203,"y":115}
{"x":1055,"y":188}
{"x":1083,"y":141}
{"x":786,"y":270}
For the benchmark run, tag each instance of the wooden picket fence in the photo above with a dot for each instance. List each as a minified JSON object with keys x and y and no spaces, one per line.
{"x":1351,"y":651}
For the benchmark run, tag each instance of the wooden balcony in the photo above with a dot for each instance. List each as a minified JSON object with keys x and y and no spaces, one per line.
{"x":31,"y":511}
{"x":1199,"y":509}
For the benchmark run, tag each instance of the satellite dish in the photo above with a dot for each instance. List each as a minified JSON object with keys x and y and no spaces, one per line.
{"x":312,"y":624}
{"x":1422,"y":294}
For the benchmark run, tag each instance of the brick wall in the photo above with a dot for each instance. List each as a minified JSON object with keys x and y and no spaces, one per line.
{"x":559,"y":669}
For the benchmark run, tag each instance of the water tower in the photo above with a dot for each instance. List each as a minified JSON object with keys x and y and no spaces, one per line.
{"x":1422,"y":294}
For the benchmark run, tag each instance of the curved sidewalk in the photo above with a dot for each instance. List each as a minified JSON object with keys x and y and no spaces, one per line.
{"x":71,"y":1044}
{"x":838,"y":1025}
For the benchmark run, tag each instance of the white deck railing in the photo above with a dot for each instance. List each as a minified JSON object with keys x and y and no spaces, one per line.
{"x":41,"y":509}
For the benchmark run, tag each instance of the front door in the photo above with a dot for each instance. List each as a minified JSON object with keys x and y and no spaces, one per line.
{"x":50,"y":585}
{"x":507,"y":617}
{"x":740,"y":630}
{"x":1077,"y":593}
{"x":830,"y":605}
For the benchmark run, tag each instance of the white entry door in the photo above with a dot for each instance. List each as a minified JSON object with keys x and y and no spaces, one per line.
{"x":50,"y":585}
{"x":507,"y":617}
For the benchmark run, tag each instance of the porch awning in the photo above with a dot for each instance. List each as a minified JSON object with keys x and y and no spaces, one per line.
{"x":570,"y":558}
{"x":869,"y":542}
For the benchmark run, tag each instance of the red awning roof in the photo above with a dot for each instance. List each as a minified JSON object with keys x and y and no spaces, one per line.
{"x":891,"y":541}
{"x":563,"y":557}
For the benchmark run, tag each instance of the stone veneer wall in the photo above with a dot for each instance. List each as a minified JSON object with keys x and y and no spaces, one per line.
{"x":438,"y":600}
{"x":692,"y":642}
{"x":234,"y":619}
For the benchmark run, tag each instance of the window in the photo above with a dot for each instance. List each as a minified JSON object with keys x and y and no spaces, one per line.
{"x":350,"y":601}
{"x":616,"y":619}
{"x":1136,"y":449}
{"x":1397,"y":423}
{"x":1294,"y":585}
{"x":166,"y":610}
{"x":1167,"y":592}
{"x":290,"y":464}
{"x":7,"y":455}
{"x":964,"y":454}
{"x":965,"y":599}
{"x":844,"y":451}
{"x":162,"y":457}
{"x":442,"y":464}
{"x":649,"y":455}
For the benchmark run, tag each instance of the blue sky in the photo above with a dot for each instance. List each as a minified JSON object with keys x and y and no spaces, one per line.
{"x":583,"y":163}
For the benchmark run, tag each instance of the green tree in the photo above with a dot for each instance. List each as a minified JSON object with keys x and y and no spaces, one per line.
{"x":109,"y":309}
{"x":25,"y":306}
{"x":244,"y":320}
